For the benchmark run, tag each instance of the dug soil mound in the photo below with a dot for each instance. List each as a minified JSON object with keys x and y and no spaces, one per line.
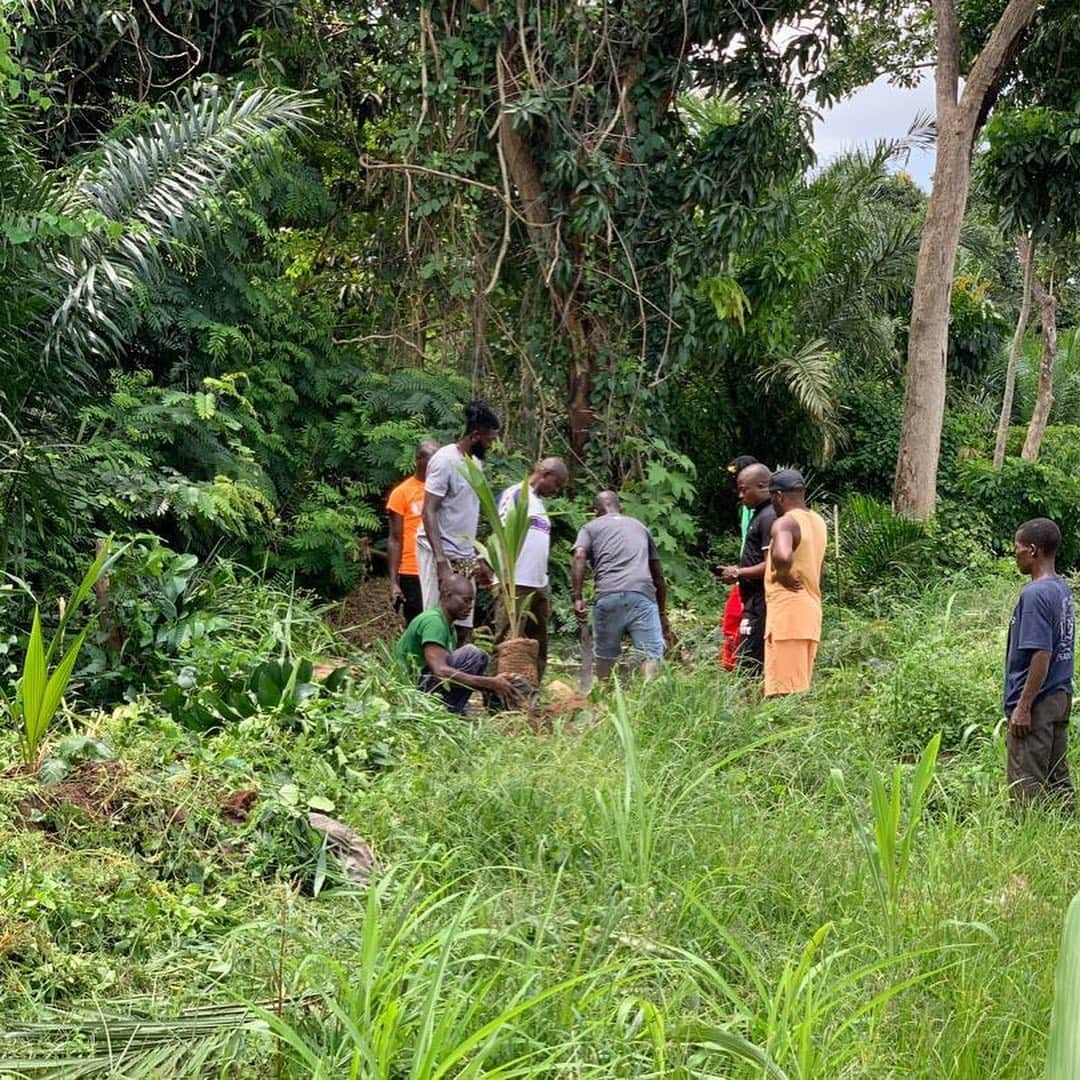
{"x":365,"y":616}
{"x":94,"y":791}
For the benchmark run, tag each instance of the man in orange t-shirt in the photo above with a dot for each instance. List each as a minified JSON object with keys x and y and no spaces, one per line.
{"x":405,"y":505}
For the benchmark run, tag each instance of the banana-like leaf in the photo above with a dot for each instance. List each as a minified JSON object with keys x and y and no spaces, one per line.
{"x":1063,"y":1058}
{"x":508,"y":533}
{"x":33,"y":680}
{"x":58,"y":683}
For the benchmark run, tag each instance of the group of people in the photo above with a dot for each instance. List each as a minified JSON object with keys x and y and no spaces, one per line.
{"x":772,"y":621}
{"x":773,"y":618}
{"x":435,"y":569}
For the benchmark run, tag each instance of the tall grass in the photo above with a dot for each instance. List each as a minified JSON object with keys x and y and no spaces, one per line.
{"x":676,"y":889}
{"x":1063,"y":1059}
{"x":888,"y":849}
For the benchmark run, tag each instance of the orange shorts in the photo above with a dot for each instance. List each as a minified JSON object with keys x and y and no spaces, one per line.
{"x":789,"y":666}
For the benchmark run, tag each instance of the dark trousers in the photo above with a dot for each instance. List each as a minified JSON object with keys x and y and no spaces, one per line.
{"x":534,"y":624}
{"x":468,"y":658}
{"x":1038,"y":764}
{"x":414,"y":598}
{"x":750,"y":654}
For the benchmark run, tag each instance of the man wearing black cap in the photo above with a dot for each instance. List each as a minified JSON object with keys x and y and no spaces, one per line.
{"x":749,"y":575}
{"x":792,"y":587}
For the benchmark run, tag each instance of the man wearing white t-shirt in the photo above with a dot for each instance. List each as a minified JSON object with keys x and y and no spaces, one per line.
{"x":451,"y":513}
{"x":531,"y":572}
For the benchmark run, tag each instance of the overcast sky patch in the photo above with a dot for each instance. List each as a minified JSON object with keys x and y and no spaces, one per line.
{"x":877,"y":111}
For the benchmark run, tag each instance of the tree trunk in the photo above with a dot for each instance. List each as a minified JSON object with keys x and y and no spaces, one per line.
{"x":524,"y":174}
{"x":915,"y":486}
{"x":1025,"y":248}
{"x":1044,"y":399}
{"x":959,"y":117}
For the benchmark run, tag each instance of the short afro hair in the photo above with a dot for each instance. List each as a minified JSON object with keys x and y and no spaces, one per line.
{"x":480,"y":416}
{"x":1041,"y":533}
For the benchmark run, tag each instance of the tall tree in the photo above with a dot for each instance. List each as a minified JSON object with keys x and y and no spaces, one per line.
{"x":556,"y":214}
{"x":1044,"y":394}
{"x":960,"y":116}
{"x":1025,"y":250}
{"x":1030,"y":172}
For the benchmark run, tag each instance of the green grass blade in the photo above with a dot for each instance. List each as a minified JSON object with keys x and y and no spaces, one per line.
{"x":729,"y":1042}
{"x":1063,"y":1057}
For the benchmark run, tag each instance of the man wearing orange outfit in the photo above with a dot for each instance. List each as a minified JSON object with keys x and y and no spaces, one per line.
{"x":404,"y":506}
{"x":792,"y":587}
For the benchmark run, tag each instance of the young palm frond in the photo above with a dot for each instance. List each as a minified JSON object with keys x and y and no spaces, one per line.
{"x":154,"y":191}
{"x":139,"y":1046}
{"x":878,"y":542}
{"x":26,"y":192}
{"x":807,"y":375}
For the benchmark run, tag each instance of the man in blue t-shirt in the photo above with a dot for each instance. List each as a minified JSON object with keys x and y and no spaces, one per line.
{"x":1039,"y":671}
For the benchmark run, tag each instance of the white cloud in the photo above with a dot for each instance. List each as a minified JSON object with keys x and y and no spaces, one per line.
{"x":877,"y":111}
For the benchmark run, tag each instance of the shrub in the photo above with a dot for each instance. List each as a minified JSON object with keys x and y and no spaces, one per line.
{"x":1021,"y":490}
{"x":1060,"y":446}
{"x":936,"y":688}
{"x":877,"y":544}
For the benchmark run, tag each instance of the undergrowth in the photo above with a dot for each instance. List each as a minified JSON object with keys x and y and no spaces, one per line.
{"x":672,"y":884}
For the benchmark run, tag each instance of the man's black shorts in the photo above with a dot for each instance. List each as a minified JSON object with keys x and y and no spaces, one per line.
{"x":750,"y":656}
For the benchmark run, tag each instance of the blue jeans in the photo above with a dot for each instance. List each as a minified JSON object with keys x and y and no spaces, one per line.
{"x":633,"y":613}
{"x":468,"y":658}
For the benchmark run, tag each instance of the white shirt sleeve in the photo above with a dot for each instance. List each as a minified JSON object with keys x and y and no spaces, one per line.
{"x":438,"y":475}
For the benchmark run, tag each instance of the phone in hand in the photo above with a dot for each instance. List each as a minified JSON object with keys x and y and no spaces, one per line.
{"x":399,"y":604}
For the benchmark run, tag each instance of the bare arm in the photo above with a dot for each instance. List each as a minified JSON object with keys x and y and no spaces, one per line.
{"x":733,"y":574}
{"x":431,"y":530}
{"x":1020,"y":721}
{"x":786,"y":537}
{"x":577,"y":581}
{"x":660,"y":584}
{"x":436,"y":657}
{"x":393,"y":550}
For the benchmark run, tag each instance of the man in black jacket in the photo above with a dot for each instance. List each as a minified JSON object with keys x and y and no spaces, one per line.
{"x":753,"y":488}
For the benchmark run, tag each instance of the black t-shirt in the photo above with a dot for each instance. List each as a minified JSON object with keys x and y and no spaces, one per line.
{"x":758,"y":538}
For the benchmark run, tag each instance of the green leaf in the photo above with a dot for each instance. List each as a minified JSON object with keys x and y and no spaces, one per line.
{"x":33,"y":685}
{"x":1063,"y":1056}
{"x":266,"y":685}
{"x":59,"y":680}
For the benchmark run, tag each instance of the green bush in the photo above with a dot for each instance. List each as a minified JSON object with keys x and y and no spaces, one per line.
{"x":934,"y":687}
{"x":1060,"y":446}
{"x":1019,"y":491}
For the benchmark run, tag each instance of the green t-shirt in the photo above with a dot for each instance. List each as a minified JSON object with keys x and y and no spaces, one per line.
{"x":746,"y":515}
{"x":428,"y":628}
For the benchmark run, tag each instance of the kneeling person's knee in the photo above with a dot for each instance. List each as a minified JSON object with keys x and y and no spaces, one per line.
{"x":469,"y":658}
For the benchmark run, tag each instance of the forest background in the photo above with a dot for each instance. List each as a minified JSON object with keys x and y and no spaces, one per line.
{"x":250,"y":254}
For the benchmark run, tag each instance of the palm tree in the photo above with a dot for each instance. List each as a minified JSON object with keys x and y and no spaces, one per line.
{"x":80,"y":248}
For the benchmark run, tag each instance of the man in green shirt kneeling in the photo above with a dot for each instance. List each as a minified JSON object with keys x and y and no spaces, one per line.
{"x":427,"y":650}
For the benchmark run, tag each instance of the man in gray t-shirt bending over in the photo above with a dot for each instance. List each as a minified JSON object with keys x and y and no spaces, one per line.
{"x":631,"y":594}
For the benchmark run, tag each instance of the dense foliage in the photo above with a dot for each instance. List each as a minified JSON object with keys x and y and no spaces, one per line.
{"x":250,"y":255}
